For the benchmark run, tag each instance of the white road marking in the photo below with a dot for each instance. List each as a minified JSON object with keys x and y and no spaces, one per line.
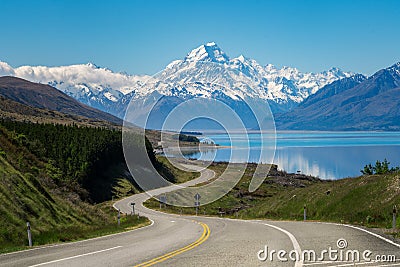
{"x":296,"y":245}
{"x":366,"y":231}
{"x":74,"y":257}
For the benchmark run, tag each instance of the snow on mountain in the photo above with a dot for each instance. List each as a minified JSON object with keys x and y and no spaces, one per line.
{"x":239,"y":77}
{"x":356,"y":103}
{"x":209,"y":52}
{"x":205,"y":72}
{"x":394,"y":69}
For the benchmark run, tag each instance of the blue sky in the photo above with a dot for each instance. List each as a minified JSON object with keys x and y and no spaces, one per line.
{"x":142,"y":37}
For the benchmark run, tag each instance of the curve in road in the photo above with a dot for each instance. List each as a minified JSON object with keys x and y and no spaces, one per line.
{"x":173,"y":240}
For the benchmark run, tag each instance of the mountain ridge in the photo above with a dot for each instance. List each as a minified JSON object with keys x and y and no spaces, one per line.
{"x":45,"y":97}
{"x":106,"y":90}
{"x":367,"y":104}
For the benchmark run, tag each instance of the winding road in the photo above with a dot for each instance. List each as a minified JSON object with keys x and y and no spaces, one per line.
{"x":174,"y":240}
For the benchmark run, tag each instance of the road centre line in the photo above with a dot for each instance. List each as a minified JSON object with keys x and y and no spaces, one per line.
{"x":203,"y":238}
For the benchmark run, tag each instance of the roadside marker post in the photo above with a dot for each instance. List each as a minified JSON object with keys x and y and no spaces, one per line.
{"x":394,"y":217}
{"x":119,"y":217}
{"x":220,"y":211}
{"x":133,"y":208}
{"x":305,"y":213}
{"x":28,"y":225}
{"x":197,"y":202}
{"x":163,"y":200}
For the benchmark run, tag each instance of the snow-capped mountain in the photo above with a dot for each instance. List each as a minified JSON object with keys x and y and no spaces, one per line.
{"x":205,"y":72}
{"x":354,"y":103}
{"x":208,"y":63}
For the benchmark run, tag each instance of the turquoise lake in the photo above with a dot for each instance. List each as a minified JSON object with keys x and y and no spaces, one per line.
{"x":328,"y":155}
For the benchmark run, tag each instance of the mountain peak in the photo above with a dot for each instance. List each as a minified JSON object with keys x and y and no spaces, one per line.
{"x":211,"y":44}
{"x":241,"y":58}
{"x":209,"y":52}
{"x":395,"y":66}
{"x":338,"y":72}
{"x":92,"y":65}
{"x":334,"y":69}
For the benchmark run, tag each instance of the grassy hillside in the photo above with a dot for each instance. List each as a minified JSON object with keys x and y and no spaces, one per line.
{"x":39,"y":183}
{"x":179,"y":175}
{"x":53,"y":175}
{"x":58,"y":158}
{"x":365,"y":200}
{"x":88,"y":156}
{"x":55,"y":214}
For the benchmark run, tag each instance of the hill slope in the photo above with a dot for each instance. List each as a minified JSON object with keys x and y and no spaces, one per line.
{"x":12,"y":110}
{"x":58,"y":158}
{"x":37,"y":190}
{"x":46,"y":97}
{"x":367,"y":200}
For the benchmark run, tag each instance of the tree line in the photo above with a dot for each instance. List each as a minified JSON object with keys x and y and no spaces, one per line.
{"x":80,"y":154}
{"x":380,"y":167}
{"x":74,"y":150}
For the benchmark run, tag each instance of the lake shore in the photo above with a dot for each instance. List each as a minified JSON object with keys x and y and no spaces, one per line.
{"x":189,"y":149}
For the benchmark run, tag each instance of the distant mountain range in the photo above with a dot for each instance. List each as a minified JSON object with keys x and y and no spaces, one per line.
{"x":189,"y":77}
{"x":354,"y":103}
{"x":330,"y":100}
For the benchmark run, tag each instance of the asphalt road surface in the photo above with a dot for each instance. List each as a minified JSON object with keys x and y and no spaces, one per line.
{"x":174,"y":240}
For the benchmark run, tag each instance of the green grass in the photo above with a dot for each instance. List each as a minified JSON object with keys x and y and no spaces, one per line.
{"x":33,"y":189}
{"x":364,"y":200}
{"x":56,"y":211}
{"x":110,"y":226}
{"x":76,"y":233}
{"x":53,"y":218}
{"x":180,"y":175}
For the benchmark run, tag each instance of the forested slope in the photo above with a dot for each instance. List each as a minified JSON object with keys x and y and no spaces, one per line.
{"x":52,"y":175}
